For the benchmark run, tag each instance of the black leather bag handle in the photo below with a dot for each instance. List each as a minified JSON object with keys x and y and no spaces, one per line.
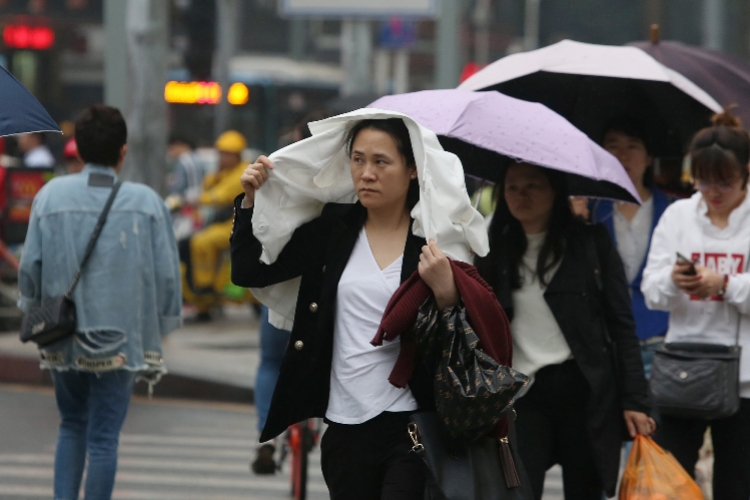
{"x":94,"y":237}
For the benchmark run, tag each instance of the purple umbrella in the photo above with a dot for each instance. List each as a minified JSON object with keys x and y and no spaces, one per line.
{"x":724,"y":76}
{"x":488,"y":129}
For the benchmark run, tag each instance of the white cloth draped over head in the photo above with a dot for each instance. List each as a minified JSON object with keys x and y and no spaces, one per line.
{"x":315,"y":171}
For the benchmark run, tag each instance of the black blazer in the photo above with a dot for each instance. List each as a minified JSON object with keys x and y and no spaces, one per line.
{"x":599,"y":327}
{"x":318,"y":252}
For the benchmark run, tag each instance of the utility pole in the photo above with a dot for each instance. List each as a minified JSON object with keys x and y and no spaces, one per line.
{"x":356,"y":50}
{"x":531,"y":24}
{"x":116,"y":54}
{"x":481,"y":18}
{"x":147,"y":35}
{"x":228,"y":12}
{"x":401,"y":71}
{"x":382,"y":76}
{"x":447,"y":48}
{"x":714,"y":15}
{"x":298,"y":38}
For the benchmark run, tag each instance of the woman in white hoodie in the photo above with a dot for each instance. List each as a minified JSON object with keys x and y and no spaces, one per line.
{"x":712,"y":228}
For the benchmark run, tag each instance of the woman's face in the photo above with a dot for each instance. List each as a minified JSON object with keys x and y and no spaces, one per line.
{"x":379,"y":171}
{"x":529,"y":196}
{"x":630,"y":151}
{"x":722,"y":196}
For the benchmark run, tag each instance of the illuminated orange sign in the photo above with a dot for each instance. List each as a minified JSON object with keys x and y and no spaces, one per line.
{"x":192,"y":92}
{"x":204,"y":93}
{"x":238,"y":94}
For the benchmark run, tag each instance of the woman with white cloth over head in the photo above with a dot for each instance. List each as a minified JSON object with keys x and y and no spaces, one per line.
{"x":351,"y":258}
{"x":712,"y":303}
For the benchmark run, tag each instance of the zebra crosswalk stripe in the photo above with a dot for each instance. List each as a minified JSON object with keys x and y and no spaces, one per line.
{"x":185,"y":465}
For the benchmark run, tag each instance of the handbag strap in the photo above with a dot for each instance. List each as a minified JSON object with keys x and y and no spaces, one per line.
{"x":94,"y":237}
{"x":737,"y":333}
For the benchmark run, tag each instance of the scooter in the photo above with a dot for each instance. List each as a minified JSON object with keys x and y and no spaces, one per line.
{"x":188,"y":220}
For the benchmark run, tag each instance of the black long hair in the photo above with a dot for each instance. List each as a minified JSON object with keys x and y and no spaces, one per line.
{"x":508,"y":240}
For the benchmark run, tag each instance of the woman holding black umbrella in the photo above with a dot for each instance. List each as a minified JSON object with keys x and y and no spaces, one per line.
{"x":562,"y":284}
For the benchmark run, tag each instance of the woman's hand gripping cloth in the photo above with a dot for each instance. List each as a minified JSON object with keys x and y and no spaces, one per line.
{"x":315,"y":171}
{"x":484,"y":313}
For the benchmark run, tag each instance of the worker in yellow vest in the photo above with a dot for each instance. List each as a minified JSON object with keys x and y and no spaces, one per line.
{"x":204,"y":248}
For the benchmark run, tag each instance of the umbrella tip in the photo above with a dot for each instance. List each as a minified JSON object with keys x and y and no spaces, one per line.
{"x":654,"y":34}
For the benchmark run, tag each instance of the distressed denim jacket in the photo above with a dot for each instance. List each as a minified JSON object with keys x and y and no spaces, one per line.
{"x":128,"y":296}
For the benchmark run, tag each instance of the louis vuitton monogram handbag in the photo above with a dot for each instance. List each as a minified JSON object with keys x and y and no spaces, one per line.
{"x":472,"y":393}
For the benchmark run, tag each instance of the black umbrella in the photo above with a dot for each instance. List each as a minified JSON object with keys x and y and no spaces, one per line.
{"x":592,"y":84}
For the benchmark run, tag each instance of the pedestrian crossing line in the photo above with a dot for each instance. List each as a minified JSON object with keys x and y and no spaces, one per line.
{"x":193,"y":452}
{"x":167,"y":451}
{"x":186,"y":441}
{"x":125,"y":477}
{"x":251,"y":433}
{"x":7,"y":490}
{"x":39,"y":492}
{"x":142,"y":495}
{"x":140,"y":463}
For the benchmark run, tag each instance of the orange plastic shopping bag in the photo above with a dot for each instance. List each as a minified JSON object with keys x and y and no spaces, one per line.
{"x":654,"y":474}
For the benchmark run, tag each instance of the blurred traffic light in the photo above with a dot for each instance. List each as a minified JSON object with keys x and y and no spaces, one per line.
{"x":200,"y":20}
{"x":22,"y":36}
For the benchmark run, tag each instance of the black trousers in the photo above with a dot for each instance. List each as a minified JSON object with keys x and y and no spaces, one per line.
{"x":551,"y":429}
{"x":371,"y":461}
{"x":731,"y":439}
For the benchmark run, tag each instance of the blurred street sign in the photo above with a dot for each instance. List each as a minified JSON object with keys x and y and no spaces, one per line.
{"x":192,"y":92}
{"x":204,"y":93}
{"x":396,"y":33}
{"x":359,"y":8}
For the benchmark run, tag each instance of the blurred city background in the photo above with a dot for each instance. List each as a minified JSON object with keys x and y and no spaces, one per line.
{"x":168,"y":63}
{"x":196,"y":68}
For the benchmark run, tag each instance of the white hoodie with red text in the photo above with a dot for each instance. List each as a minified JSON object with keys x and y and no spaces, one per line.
{"x":686,"y":229}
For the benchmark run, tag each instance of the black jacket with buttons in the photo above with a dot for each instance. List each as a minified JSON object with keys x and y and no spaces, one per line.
{"x":318,"y":252}
{"x":589,"y":298}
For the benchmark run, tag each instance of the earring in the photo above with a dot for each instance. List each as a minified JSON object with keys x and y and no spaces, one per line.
{"x":413,"y":177}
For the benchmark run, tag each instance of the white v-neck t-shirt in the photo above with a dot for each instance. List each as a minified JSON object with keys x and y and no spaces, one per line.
{"x":360,"y":389}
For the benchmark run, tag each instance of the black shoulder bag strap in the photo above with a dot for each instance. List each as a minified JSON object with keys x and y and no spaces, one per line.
{"x":94,"y":237}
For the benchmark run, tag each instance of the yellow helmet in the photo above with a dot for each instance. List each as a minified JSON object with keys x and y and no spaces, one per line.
{"x":231,"y":141}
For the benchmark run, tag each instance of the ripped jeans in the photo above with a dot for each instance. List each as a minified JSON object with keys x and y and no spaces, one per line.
{"x":92,"y":410}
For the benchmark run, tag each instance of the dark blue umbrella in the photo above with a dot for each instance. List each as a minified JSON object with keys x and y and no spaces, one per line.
{"x":20,"y":112}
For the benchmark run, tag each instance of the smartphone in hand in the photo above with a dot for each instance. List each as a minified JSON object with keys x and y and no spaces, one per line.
{"x":681,"y":259}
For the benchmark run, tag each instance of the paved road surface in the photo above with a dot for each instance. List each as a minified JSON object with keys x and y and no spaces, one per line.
{"x":168,"y":451}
